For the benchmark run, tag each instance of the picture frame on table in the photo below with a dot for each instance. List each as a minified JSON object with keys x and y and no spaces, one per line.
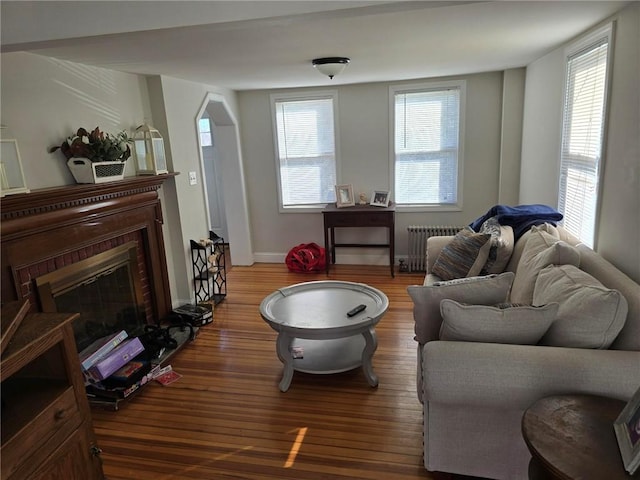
{"x":627,"y":429}
{"x":380,"y":198}
{"x":344,"y":196}
{"x":11,"y":172}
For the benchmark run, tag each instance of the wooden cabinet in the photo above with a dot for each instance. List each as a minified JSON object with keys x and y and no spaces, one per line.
{"x":46,"y":430}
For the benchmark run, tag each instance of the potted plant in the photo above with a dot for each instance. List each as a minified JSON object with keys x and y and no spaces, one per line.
{"x":96,"y":157}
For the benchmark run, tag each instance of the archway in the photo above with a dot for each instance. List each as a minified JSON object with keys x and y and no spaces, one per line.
{"x":223,"y":178}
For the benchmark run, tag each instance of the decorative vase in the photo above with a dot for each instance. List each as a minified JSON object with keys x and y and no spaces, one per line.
{"x":86,"y":171}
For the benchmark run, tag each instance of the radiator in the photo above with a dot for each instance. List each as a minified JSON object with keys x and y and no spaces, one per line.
{"x":418,"y":235}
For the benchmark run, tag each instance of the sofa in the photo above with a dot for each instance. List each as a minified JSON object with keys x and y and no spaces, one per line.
{"x":496,"y":340}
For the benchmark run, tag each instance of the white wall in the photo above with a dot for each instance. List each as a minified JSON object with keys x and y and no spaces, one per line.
{"x":618,"y":235}
{"x":364,"y":149}
{"x":182,"y":102}
{"x":44,"y":100}
{"x":619,"y":230}
{"x":542,"y":125}
{"x":511,"y":141}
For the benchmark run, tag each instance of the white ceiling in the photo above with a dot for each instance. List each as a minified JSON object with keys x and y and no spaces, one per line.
{"x":245,"y":45}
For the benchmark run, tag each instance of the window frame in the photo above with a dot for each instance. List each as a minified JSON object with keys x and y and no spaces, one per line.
{"x":585,"y":43}
{"x":304,"y":96}
{"x":201,"y":132}
{"x":421,"y":87}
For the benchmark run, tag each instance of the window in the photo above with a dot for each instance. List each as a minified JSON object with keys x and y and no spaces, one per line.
{"x":204,"y":125}
{"x":584,"y":115}
{"x":427,"y":132}
{"x":306,"y":150}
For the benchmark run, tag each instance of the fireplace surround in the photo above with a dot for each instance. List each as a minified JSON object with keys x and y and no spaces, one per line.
{"x":52,"y":229}
{"x":104,"y":288}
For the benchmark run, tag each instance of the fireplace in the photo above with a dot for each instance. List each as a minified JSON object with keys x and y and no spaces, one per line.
{"x":93,"y":249}
{"x":105,"y":289}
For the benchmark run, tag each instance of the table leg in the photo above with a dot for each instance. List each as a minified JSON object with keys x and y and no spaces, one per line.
{"x":326,"y":248}
{"x":371,"y":344}
{"x":283,"y":345}
{"x":392,"y":249}
{"x":333,"y":245}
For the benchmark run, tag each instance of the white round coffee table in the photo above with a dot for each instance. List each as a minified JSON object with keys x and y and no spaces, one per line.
{"x":315,"y":335}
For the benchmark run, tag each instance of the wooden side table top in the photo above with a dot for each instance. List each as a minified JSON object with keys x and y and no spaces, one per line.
{"x":572,"y":437}
{"x":332,"y":208}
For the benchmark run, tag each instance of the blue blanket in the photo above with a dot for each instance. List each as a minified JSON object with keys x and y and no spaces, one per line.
{"x":521,"y":218}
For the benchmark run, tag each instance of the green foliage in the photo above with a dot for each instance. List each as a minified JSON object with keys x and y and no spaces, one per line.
{"x":96,"y":145}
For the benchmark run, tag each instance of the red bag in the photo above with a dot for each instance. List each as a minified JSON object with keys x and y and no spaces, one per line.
{"x":306,"y":257}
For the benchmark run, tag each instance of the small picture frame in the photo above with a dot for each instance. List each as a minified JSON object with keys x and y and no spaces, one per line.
{"x":11,"y":173}
{"x":627,"y":428}
{"x":344,"y":196}
{"x":380,"y":198}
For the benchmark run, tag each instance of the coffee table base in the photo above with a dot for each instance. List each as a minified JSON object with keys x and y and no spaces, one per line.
{"x":327,"y":356}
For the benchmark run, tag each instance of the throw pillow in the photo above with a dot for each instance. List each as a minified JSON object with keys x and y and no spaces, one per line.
{"x":590,"y":315}
{"x":522,"y":241}
{"x":501,"y":246}
{"x":540,"y":250}
{"x":504,"y":323}
{"x":464,"y":256}
{"x":559,"y":233}
{"x":486,"y":290}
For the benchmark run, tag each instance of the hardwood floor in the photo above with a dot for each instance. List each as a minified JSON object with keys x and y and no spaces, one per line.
{"x":227,"y":419}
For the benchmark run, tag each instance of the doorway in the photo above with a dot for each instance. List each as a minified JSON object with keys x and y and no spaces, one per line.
{"x":212,"y":176}
{"x":223,"y":177}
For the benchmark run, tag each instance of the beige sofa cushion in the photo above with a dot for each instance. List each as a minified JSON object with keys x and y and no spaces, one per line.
{"x":501,"y":246}
{"x":518,"y":247}
{"x":590,"y":315}
{"x":541,"y":249}
{"x":487,"y":290}
{"x":464,"y":256}
{"x":518,"y":324}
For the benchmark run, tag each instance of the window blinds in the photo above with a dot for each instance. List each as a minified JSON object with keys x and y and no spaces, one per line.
{"x":426,"y":146}
{"x":306,"y":151}
{"x":582,"y":137}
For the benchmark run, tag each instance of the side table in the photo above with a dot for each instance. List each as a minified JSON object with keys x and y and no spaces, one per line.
{"x":358,"y":216}
{"x":572,"y":436}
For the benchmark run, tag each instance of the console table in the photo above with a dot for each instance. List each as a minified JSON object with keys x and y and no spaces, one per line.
{"x":358,"y":216}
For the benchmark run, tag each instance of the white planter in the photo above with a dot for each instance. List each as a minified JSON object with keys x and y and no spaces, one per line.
{"x":86,"y":171}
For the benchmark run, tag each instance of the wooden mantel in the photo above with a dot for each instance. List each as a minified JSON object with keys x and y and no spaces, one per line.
{"x":48,"y":227}
{"x":59,"y":198}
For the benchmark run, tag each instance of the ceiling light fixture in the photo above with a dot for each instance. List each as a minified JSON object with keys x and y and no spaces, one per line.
{"x":330,"y":66}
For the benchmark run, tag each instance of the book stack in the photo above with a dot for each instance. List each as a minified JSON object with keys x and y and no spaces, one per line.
{"x":98,"y":349}
{"x":196,"y":315}
{"x":113,"y":369}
